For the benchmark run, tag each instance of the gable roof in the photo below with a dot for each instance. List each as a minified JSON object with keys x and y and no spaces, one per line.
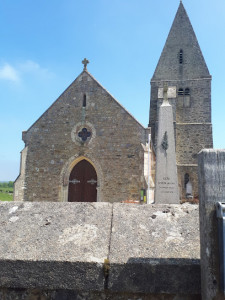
{"x":78,"y":77}
{"x":114,"y":99}
{"x":181,"y":37}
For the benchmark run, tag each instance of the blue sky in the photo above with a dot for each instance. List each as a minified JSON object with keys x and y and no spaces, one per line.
{"x":43,"y":44}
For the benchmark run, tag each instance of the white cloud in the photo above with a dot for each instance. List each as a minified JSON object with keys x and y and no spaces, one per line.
{"x":7,"y":72}
{"x":34,"y":68}
{"x":21,"y":70}
{"x":30,"y":66}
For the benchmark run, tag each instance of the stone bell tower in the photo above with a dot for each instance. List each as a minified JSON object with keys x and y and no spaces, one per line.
{"x":183,"y":68}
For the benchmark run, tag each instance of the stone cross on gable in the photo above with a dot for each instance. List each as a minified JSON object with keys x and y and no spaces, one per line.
{"x":85,"y":62}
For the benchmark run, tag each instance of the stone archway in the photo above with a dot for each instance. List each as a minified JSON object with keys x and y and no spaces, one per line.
{"x":66,"y":171}
{"x":82,"y":183}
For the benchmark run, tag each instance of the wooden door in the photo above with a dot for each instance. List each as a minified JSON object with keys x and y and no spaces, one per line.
{"x":83,"y":183}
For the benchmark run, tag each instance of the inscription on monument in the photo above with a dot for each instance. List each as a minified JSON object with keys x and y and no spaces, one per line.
{"x":166,"y":185}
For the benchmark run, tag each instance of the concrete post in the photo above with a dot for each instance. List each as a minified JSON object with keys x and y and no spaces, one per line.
{"x":211,"y":190}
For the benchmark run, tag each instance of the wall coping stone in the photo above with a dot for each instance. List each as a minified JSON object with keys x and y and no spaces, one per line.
{"x":98,"y":246}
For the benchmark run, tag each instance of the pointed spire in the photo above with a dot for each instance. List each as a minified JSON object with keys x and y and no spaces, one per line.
{"x":181,"y":39}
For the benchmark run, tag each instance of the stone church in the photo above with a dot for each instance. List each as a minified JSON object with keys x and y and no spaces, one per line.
{"x":88,"y":147}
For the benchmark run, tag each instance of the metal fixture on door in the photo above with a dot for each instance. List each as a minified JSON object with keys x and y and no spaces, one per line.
{"x":74,"y":181}
{"x":92,"y":181}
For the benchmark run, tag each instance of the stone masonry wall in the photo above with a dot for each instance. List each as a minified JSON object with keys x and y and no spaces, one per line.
{"x":19,"y":185}
{"x":190,"y":140}
{"x":114,"y":147}
{"x":198,"y":111}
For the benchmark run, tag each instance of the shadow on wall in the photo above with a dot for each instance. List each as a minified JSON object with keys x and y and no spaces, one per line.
{"x":151,"y":275}
{"x":139,"y":278}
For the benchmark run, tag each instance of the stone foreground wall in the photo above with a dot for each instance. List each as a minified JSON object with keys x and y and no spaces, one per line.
{"x":36,"y":294}
{"x":103,"y":249}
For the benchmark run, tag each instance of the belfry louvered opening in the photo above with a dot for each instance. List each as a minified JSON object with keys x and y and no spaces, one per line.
{"x":187,"y":92}
{"x":180,"y":92}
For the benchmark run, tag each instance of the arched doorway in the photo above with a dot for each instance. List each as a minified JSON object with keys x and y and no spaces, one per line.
{"x":83,"y":183}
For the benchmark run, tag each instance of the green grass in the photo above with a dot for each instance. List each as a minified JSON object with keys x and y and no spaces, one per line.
{"x":5,"y":195}
{"x":6,"y":189}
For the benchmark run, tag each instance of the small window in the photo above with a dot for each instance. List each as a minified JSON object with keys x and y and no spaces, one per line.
{"x":181,"y":56}
{"x":187,"y":92}
{"x":180,"y":92}
{"x":84,"y":100}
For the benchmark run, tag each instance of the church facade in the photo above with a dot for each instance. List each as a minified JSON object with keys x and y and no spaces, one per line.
{"x":87,"y":147}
